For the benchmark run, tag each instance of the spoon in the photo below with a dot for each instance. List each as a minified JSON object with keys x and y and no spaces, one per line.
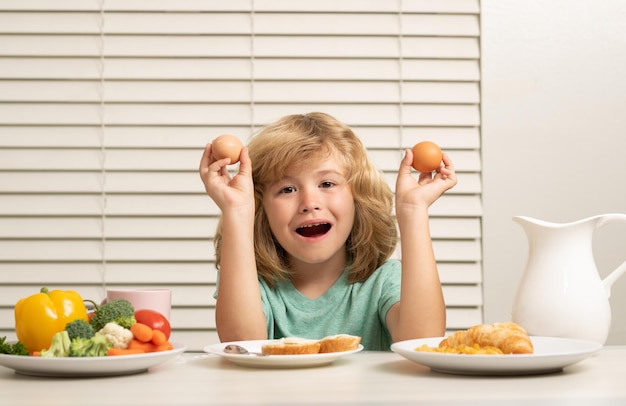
{"x":237,"y":349}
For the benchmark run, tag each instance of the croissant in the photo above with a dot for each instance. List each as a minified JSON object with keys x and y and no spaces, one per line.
{"x":509,"y":337}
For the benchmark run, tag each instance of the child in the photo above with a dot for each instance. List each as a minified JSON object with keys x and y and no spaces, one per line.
{"x":306,"y":233}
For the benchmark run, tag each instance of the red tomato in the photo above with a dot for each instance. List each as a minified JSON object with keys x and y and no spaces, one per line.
{"x":154,"y":320}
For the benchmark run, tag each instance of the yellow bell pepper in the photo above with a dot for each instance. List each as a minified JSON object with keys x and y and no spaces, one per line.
{"x":42,"y":315}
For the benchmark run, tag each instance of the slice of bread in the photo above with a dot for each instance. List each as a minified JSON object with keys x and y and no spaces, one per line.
{"x":291,"y":346}
{"x":339,"y":343}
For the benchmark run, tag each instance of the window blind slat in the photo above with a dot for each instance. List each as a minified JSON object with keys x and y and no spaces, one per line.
{"x":224,"y":46}
{"x":135,"y":5}
{"x":459,"y":273}
{"x":64,"y":136}
{"x":182,"y":136}
{"x":361,"y":69}
{"x":125,"y":114}
{"x":461,"y":318}
{"x":116,"y":227}
{"x":116,"y":250}
{"x":427,"y":6}
{"x":424,"y":6}
{"x":445,"y":137}
{"x":216,"y":69}
{"x":352,"y":46}
{"x":217,"y":114}
{"x":381,"y":114}
{"x":89,"y":46}
{"x":229,"y":92}
{"x":468,"y":295}
{"x":364,"y":24}
{"x":117,"y":273}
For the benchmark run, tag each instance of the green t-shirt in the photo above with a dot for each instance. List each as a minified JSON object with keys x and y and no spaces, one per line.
{"x":346,"y":308}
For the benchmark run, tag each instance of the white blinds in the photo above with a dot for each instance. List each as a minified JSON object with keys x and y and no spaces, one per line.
{"x":105,"y":107}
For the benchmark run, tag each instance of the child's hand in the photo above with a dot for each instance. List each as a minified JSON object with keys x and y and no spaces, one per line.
{"x":422,"y":192}
{"x":227,"y":192}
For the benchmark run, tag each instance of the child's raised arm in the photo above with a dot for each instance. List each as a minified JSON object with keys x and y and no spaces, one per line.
{"x":239,"y":313}
{"x":421,"y":311}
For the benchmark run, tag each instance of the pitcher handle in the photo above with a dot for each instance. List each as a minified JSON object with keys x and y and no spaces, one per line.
{"x":611,"y":217}
{"x":619,"y":271}
{"x":612,"y":277}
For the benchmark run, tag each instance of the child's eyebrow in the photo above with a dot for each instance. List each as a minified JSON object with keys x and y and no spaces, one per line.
{"x":321,"y":172}
{"x":330,"y":172}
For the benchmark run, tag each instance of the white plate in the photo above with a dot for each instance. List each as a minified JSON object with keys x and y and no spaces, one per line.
{"x":275,"y":361}
{"x":88,"y":366}
{"x":551,"y":354}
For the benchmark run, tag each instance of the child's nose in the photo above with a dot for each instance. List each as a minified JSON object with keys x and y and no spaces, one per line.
{"x":310,"y":202}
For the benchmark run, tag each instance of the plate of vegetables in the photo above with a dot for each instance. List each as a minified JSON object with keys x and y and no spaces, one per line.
{"x":72,"y":367}
{"x":58,"y":337}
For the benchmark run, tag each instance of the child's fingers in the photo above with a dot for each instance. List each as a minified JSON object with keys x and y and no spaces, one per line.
{"x":405,"y":164}
{"x":205,"y":160}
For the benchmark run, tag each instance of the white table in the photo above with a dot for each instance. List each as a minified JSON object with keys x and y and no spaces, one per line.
{"x":377,"y":378}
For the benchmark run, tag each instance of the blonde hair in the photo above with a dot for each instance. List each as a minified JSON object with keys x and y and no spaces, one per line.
{"x":294,"y":139}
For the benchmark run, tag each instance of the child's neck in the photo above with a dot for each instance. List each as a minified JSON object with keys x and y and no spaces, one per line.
{"x":313,"y":280}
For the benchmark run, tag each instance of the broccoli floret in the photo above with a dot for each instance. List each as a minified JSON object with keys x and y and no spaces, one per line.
{"x":59,"y":347}
{"x":119,"y":311}
{"x":116,"y":335}
{"x":79,"y":328}
{"x":96,"y":346}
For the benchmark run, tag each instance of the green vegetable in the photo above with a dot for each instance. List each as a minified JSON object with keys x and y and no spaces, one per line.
{"x":79,"y":328}
{"x":118,"y":311}
{"x":12,"y":349}
{"x":96,"y":346}
{"x":60,"y":346}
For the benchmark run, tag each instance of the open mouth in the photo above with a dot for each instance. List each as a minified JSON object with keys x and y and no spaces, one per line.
{"x":314,"y":230}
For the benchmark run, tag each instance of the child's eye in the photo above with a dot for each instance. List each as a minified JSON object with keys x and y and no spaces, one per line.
{"x":287,"y":189}
{"x":327,"y":184}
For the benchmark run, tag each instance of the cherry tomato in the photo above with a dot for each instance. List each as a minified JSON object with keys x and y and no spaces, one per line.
{"x":154,"y":320}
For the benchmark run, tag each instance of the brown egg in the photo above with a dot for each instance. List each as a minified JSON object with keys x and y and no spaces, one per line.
{"x":427,"y":156}
{"x":227,"y":146}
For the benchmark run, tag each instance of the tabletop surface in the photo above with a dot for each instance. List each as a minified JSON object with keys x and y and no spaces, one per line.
{"x":376,"y":378}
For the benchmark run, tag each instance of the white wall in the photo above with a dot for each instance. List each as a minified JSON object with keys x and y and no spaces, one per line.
{"x":554,"y":134}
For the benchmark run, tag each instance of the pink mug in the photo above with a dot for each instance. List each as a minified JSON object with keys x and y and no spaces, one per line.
{"x":155,"y":299}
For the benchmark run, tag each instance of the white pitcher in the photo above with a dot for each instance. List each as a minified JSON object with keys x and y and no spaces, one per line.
{"x":561,"y":293}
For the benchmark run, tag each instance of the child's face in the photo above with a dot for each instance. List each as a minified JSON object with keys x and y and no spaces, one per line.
{"x":311,"y":213}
